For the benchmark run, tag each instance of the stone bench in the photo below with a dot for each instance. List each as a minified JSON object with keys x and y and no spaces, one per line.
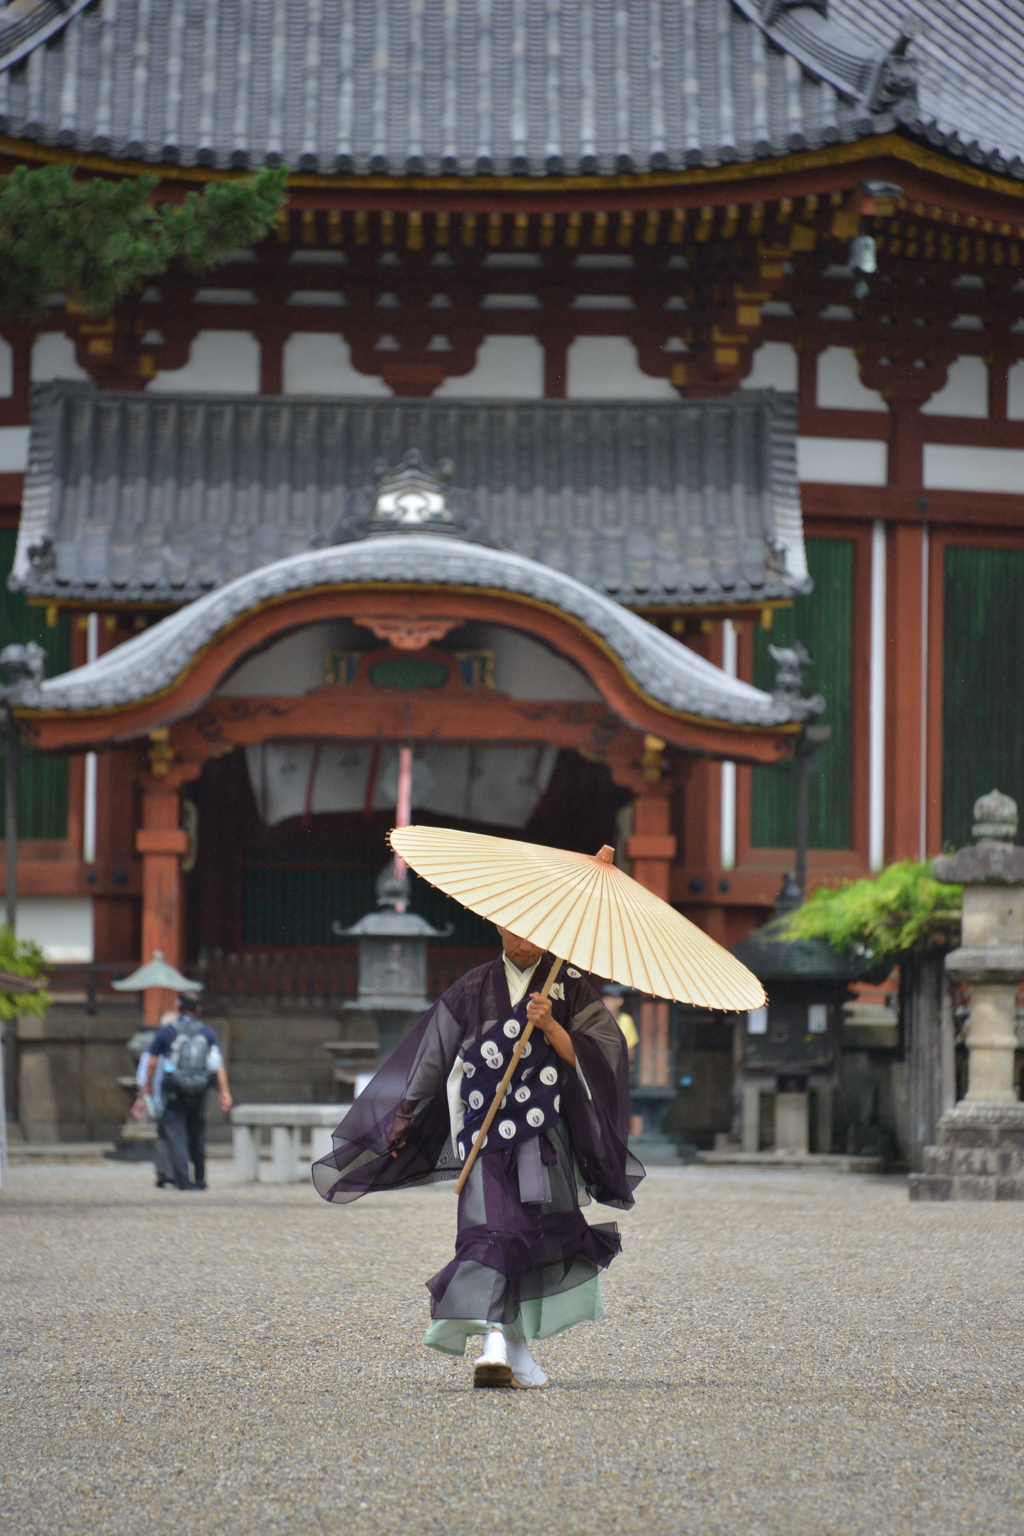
{"x":287,"y":1123}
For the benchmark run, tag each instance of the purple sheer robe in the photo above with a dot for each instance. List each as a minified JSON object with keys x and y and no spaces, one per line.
{"x":508,"y":1249}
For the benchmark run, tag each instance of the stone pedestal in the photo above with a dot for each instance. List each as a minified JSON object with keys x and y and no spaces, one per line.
{"x":980,"y":1155}
{"x":980,"y":1151}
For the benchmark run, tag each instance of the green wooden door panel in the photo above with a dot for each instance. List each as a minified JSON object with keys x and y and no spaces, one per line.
{"x":983,"y":683}
{"x":43,"y":781}
{"x":824,"y":622}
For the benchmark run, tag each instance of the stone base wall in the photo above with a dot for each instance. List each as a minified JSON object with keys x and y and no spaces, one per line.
{"x":279,"y":1058}
{"x":64,"y":1068}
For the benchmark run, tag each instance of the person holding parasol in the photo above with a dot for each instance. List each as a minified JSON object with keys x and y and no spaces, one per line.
{"x":516,"y":1083}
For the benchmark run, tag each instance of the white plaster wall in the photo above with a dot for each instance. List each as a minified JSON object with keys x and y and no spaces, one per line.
{"x":219,"y":360}
{"x":952,"y":467}
{"x":320,"y":363}
{"x":53,"y":357}
{"x":605,"y":368}
{"x":6,"y":368}
{"x":842,"y":460}
{"x":1015,"y":391}
{"x":965,"y":392}
{"x":774,"y":367}
{"x":839,"y":384}
{"x":60,"y":925}
{"x":507,"y":367}
{"x":13,"y":450}
{"x":290,"y":667}
{"x":524,"y":668}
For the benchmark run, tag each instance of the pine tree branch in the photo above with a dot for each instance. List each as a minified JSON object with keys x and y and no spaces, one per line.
{"x":94,"y":241}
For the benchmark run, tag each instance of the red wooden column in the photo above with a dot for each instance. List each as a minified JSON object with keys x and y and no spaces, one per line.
{"x":907,"y":380}
{"x":905,"y":686}
{"x":161,"y":843}
{"x":652,"y":849}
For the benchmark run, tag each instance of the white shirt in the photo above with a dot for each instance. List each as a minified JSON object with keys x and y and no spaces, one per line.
{"x":518,"y":981}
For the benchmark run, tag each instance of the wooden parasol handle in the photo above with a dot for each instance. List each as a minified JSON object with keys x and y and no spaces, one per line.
{"x":460,"y":1182}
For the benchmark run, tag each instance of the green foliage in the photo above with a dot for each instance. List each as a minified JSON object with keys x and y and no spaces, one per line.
{"x":905,"y":911}
{"x":95,"y":240}
{"x":21,"y":957}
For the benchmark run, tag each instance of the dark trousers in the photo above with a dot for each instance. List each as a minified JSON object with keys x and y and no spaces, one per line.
{"x":161,"y":1155}
{"x":184,"y":1128}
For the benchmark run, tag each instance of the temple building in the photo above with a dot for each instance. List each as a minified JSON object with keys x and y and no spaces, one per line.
{"x":604,"y":348}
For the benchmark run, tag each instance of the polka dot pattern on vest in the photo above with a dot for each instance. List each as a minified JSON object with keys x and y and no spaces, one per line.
{"x":530,"y":1105}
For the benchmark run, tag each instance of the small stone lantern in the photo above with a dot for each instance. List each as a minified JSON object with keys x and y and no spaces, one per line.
{"x":793,"y":1047}
{"x":392,"y":963}
{"x":980,"y":1152}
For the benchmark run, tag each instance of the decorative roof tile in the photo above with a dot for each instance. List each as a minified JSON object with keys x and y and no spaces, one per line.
{"x":159,"y":498}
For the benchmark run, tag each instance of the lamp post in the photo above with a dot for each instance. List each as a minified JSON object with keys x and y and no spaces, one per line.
{"x":21,"y":671}
{"x":793,"y":1044}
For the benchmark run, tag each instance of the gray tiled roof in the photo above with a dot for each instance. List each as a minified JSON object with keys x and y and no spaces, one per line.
{"x":970,"y":68}
{"x":159,"y":498}
{"x":668,"y":671}
{"x":504,"y":86}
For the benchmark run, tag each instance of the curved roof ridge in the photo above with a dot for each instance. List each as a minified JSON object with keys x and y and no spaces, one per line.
{"x":660,"y":667}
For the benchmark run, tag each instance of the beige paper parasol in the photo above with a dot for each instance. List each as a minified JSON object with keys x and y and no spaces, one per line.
{"x":580,"y":909}
{"x":585,"y":911}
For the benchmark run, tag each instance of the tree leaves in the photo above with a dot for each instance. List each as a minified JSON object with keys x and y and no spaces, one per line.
{"x":21,"y":957}
{"x":905,"y":911}
{"x":93,"y":241}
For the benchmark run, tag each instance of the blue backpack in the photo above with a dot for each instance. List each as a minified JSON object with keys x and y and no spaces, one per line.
{"x":186,"y":1069}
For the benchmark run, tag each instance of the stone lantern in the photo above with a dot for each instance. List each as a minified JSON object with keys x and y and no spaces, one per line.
{"x":392,"y":942}
{"x":980,"y":1152}
{"x":793,"y":1047}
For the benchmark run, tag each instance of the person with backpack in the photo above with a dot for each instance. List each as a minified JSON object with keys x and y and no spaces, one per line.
{"x":190,"y":1057}
{"x":151,"y":1106}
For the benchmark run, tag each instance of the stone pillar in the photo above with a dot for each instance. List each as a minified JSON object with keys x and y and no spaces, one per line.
{"x":980,"y":1151}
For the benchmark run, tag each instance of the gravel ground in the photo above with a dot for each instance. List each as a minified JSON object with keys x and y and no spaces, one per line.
{"x":783,"y":1354}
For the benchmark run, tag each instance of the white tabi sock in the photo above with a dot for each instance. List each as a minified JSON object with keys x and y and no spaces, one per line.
{"x":494,"y":1352}
{"x":525,"y":1370}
